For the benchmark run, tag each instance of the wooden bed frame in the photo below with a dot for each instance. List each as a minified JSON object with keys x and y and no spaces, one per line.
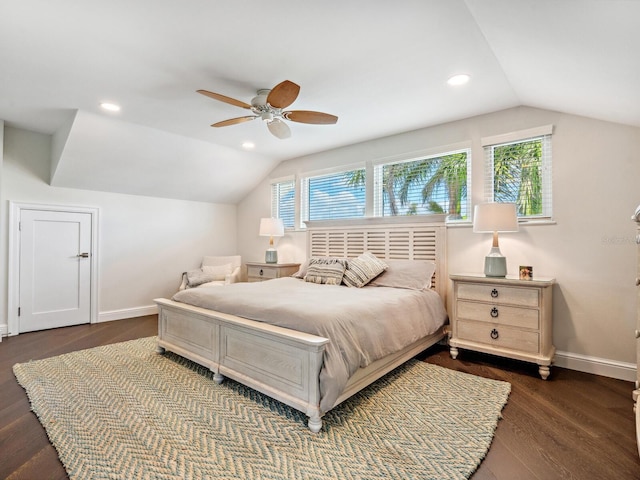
{"x":283,"y":363}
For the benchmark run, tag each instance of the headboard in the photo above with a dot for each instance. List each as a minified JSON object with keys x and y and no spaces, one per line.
{"x":388,"y":240}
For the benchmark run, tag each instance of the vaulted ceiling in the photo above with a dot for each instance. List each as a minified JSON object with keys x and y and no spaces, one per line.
{"x":381,"y":67}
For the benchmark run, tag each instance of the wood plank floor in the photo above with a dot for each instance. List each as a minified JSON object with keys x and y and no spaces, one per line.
{"x":573,"y":426}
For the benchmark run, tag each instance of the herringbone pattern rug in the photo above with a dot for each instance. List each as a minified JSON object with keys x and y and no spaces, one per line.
{"x":124,"y":412}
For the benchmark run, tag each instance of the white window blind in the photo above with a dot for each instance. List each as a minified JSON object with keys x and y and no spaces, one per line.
{"x":519,"y":171}
{"x":333,"y":196}
{"x":283,"y":202}
{"x":434,"y":184}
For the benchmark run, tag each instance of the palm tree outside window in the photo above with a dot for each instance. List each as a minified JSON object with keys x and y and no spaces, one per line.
{"x":520,"y":172}
{"x":431,"y":185}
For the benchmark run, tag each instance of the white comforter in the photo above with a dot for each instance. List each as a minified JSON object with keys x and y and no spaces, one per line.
{"x":363,"y":324}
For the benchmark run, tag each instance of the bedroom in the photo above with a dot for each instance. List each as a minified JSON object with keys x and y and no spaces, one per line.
{"x":589,"y":250}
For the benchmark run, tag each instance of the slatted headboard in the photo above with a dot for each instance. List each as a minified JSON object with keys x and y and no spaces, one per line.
{"x":402,"y":241}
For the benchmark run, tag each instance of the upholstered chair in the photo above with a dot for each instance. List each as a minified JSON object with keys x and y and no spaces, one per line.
{"x":214,"y":272}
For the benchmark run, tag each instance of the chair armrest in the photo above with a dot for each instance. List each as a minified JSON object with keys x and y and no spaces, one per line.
{"x":183,"y":285}
{"x":233,"y":277}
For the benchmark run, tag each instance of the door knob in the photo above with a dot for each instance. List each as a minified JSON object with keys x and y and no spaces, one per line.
{"x":83,"y":255}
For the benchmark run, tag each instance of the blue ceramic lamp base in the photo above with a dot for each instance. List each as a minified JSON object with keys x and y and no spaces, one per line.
{"x":271,"y":256}
{"x":495,"y":265}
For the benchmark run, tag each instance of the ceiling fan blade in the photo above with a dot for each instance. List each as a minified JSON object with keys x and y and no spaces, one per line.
{"x":307,"y":116}
{"x":278,"y":128}
{"x":283,"y":94}
{"x":225,"y":99}
{"x":233,"y":121}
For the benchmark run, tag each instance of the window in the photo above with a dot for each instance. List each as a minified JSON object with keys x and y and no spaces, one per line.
{"x":434,"y":184}
{"x":519,"y":171}
{"x":283,"y":201}
{"x":332,"y":196}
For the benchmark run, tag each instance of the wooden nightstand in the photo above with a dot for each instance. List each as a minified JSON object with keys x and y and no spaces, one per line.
{"x":259,"y":272}
{"x":504,"y":316}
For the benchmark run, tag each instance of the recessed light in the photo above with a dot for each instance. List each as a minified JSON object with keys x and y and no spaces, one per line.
{"x":248,"y":145}
{"x":112,"y":107}
{"x":460,"y":79}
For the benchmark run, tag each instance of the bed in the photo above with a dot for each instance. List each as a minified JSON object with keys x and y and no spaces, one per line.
{"x":281,"y":360}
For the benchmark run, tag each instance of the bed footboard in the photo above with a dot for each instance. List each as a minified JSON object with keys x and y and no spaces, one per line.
{"x":281,"y":363}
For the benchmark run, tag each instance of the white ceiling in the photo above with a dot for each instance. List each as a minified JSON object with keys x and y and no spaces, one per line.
{"x":380,"y":66}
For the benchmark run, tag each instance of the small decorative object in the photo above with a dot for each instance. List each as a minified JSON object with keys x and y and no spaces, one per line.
{"x":494,"y":218}
{"x":271,"y":227}
{"x":526,"y":272}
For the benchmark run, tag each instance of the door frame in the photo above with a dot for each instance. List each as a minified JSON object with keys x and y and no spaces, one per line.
{"x":13,"y":291}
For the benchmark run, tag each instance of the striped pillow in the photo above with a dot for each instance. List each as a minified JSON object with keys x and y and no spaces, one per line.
{"x":362,"y":270}
{"x":327,"y":271}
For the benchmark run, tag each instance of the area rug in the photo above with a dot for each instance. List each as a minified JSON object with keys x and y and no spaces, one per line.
{"x":124,"y":412}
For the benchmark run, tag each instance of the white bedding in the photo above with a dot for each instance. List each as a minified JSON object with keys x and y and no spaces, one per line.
{"x":363,"y":324}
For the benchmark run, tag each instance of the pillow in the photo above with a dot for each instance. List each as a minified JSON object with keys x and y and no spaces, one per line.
{"x":302,"y":271}
{"x":198,"y":277}
{"x":327,"y":271}
{"x":363,"y":269}
{"x":218,"y":272}
{"x":413,"y":274}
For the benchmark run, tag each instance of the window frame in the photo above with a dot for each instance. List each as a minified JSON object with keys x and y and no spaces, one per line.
{"x":274,"y":191}
{"x":304,"y":201}
{"x":544,"y":134}
{"x":442,"y":151}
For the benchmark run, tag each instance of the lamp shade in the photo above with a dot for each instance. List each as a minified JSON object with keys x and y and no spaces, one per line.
{"x":495,"y":217}
{"x":271,"y":227}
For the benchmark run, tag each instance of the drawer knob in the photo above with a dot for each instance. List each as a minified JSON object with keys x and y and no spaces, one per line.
{"x":494,"y":312}
{"x":494,"y":334}
{"x":637,"y":333}
{"x":637,"y":282}
{"x":261,"y":272}
{"x":494,"y":293}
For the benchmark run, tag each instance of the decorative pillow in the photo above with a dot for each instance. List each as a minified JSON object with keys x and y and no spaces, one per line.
{"x":327,"y":271}
{"x":413,"y":274}
{"x":219,"y":272}
{"x":363,"y":269}
{"x":198,"y":277}
{"x":302,"y":271}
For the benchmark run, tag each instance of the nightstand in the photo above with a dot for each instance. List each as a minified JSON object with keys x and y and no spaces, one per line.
{"x":259,"y":272}
{"x":508,"y":317}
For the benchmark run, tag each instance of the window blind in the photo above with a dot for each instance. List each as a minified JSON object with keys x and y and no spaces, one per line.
{"x":435,"y":184}
{"x":520,"y":172}
{"x":333,"y":196}
{"x":283,"y":202}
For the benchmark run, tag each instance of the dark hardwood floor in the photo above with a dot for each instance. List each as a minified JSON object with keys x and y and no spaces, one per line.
{"x":572,"y":426}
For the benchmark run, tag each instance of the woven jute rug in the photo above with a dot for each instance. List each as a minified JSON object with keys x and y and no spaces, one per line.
{"x":124,"y":412}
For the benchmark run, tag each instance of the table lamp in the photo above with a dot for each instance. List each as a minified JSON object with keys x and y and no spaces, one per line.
{"x":494,"y":218}
{"x":271,"y":227}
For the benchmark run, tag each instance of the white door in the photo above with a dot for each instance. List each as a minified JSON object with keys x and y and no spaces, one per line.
{"x":55,"y":269}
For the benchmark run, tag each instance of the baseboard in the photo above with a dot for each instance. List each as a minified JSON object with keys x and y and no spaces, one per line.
{"x":4,"y":331}
{"x":127,"y":313}
{"x":597,"y":366}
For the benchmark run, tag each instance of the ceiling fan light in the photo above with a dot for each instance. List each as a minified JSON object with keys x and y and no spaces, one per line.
{"x":260,"y":100}
{"x":267,"y":117}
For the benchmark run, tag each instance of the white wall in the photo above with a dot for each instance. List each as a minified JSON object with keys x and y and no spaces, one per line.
{"x":590,"y":249}
{"x":145,"y":243}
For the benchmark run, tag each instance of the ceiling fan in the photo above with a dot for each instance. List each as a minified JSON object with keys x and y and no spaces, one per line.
{"x":269,"y":105}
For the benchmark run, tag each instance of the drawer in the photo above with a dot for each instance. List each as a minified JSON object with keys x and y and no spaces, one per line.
{"x":265,"y":273}
{"x":498,"y":314}
{"x":527,"y":297}
{"x":506,"y":337}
